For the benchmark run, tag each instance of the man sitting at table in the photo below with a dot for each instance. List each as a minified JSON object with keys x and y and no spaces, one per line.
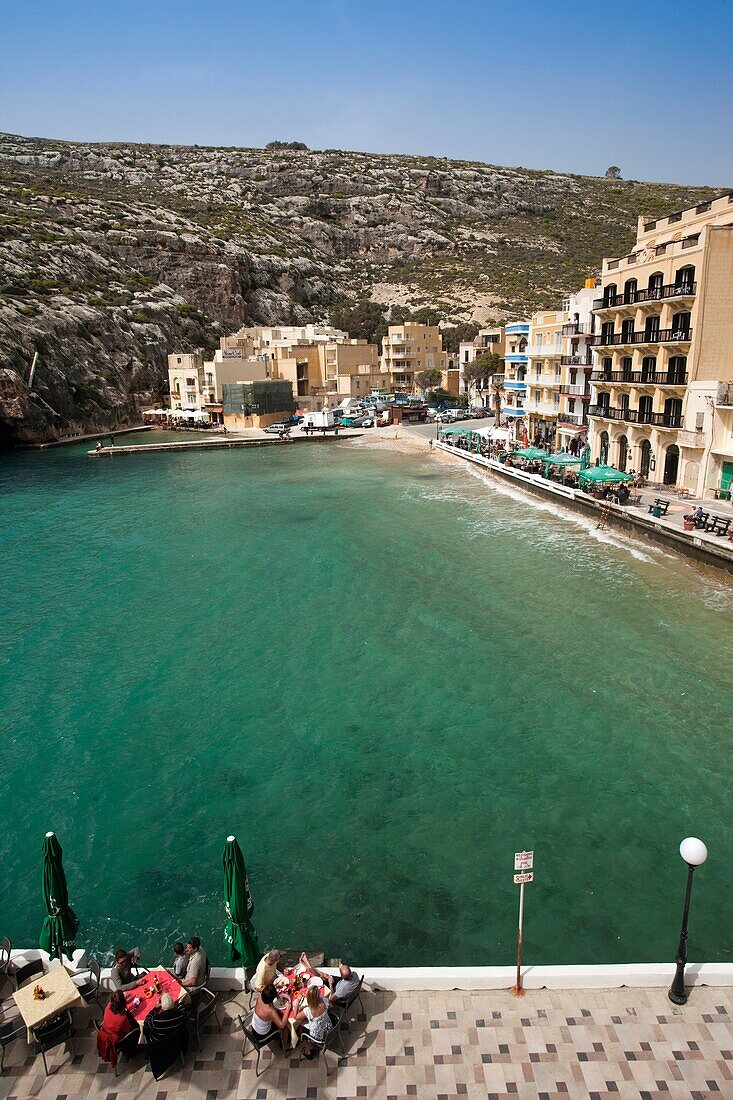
{"x":197,"y":962}
{"x":121,"y":976}
{"x":166,"y":1035}
{"x":341,"y":985}
{"x":266,"y":971}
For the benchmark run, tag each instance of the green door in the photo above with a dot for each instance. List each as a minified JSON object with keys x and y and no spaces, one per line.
{"x":727,"y":476}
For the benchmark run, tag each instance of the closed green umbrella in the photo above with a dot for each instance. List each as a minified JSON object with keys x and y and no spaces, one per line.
{"x":61,"y":925}
{"x":240,"y":936}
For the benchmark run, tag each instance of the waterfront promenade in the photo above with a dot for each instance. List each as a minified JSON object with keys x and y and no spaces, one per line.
{"x":548,"y":1045}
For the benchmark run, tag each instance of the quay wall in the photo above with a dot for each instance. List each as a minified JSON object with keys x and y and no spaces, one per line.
{"x":718,"y":555}
{"x":220,"y":443}
{"x":399,"y":979}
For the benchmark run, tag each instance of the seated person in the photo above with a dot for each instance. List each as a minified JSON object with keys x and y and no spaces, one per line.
{"x":266,"y":971}
{"x":266,"y":1019}
{"x":314,"y":1012}
{"x":197,"y":962}
{"x":180,"y":961}
{"x":341,"y":985}
{"x":121,"y":975}
{"x":166,"y":1035}
{"x":116,"y":1024}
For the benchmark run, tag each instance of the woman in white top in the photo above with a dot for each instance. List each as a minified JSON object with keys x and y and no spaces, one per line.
{"x":266,"y":1018}
{"x":314,"y":1012}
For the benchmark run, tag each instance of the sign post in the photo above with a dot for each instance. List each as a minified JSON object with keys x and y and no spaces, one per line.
{"x":523,"y":862}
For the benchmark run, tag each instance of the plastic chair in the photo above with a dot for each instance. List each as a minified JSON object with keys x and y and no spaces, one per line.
{"x":206,"y":1005}
{"x":322,"y":1045}
{"x":10,"y":1030}
{"x":24,"y":974}
{"x":91,"y":988}
{"x":257,"y":1042}
{"x":342,"y":1007}
{"x":128,"y":1045}
{"x":52,"y":1034}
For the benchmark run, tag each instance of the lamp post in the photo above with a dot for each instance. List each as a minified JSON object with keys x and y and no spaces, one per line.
{"x":694,"y":853}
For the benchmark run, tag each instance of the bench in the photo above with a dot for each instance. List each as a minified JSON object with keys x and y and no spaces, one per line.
{"x":662,"y":505}
{"x":717,"y":525}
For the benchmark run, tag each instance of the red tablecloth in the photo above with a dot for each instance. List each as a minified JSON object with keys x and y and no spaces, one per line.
{"x":167,"y":983}
{"x":305,"y":976}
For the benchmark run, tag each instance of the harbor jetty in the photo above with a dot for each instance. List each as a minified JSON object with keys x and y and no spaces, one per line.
{"x":221,"y":442}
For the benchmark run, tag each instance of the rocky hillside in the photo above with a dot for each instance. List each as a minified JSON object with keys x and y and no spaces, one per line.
{"x":112,"y":255}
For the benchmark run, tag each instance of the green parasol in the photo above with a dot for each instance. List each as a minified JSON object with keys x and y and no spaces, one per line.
{"x":563,"y":460}
{"x":61,"y":925}
{"x":239,"y":935}
{"x":532,"y":454}
{"x":603,"y":475}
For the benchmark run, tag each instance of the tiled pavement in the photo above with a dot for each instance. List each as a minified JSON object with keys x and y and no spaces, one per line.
{"x":547,"y":1045}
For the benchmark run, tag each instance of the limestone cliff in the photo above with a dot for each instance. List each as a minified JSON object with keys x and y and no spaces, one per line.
{"x":112,"y":255}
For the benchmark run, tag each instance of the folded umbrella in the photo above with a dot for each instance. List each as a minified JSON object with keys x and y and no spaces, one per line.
{"x":61,"y":925}
{"x":240,"y":936}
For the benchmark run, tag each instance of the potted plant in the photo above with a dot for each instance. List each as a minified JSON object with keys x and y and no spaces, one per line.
{"x":689,"y":522}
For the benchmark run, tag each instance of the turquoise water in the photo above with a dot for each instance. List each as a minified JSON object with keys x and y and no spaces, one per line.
{"x":385,"y":676}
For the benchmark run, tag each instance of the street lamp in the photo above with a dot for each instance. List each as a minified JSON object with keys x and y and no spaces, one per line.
{"x":694,"y":853}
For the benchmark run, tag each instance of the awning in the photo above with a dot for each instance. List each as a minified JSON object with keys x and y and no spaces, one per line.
{"x":532,"y":454}
{"x":511,"y":411}
{"x":564,"y":459}
{"x":454,"y":431}
{"x":603,"y":475}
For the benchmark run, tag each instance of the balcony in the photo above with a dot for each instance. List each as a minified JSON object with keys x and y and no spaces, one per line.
{"x":634,"y":416}
{"x":570,"y":418}
{"x":641,"y":336}
{"x":544,"y":351}
{"x":651,"y":294}
{"x":515,"y":357}
{"x":512,"y":384}
{"x":576,"y":360}
{"x":541,"y":408}
{"x":575,"y":391}
{"x":640,"y":377}
{"x":694,"y":440}
{"x":575,"y":328}
{"x":549,"y":380}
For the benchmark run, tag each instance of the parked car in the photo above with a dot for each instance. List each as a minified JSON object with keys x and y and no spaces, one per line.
{"x":276,"y":429}
{"x":368,"y":422}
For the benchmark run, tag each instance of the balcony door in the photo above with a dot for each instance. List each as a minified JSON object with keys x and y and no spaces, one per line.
{"x":607,"y":331}
{"x":673,"y":412}
{"x":648,"y":368}
{"x":656,"y":282}
{"x":626,"y":368}
{"x":651,"y":328}
{"x":630,"y":288}
{"x":609,"y":294}
{"x":685,"y":278}
{"x":645,"y":410}
{"x":681,"y":324}
{"x":627,"y":330}
{"x":676,"y":370}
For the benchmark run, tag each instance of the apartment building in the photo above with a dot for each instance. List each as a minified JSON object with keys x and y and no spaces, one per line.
{"x":543,"y":377}
{"x":196,"y":384}
{"x":487,"y":341}
{"x":410,"y":348}
{"x":327,"y":372}
{"x":514,"y":384}
{"x":576,"y":364}
{"x":663,"y":342}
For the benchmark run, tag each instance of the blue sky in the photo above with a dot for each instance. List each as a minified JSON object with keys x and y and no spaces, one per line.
{"x":573,"y":87}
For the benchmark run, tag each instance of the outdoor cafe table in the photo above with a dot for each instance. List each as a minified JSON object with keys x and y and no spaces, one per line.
{"x":167,"y":983}
{"x":61,"y":993}
{"x":296,"y":997}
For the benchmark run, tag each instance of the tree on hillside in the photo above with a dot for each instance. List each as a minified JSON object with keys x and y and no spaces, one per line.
{"x":428,"y":315}
{"x":458,"y":334}
{"x":363,"y":321}
{"x":613,"y":173}
{"x":427,"y":379}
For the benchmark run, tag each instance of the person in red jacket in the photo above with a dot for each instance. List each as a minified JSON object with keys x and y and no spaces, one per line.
{"x":116,"y":1024}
